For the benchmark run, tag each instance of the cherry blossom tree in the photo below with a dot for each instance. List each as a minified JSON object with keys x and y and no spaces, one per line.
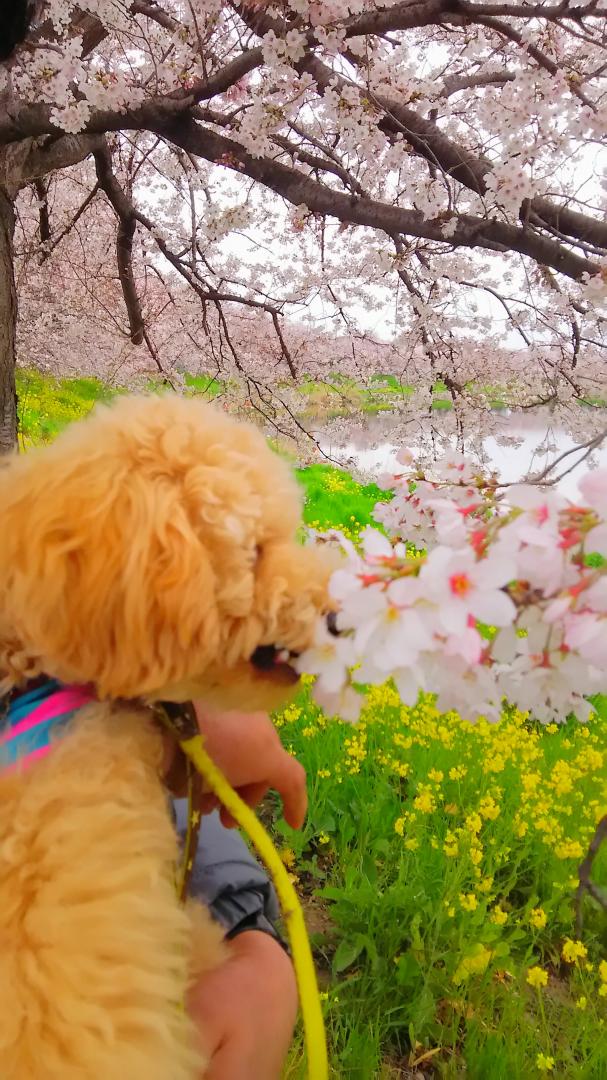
{"x":420,"y":154}
{"x":73,"y":321}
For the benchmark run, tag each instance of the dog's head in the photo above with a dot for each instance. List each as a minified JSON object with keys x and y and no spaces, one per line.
{"x":151,"y":550}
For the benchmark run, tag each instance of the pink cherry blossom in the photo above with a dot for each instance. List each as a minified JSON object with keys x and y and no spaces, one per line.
{"x":593,"y":487}
{"x":513,"y":560}
{"x":464,"y":586}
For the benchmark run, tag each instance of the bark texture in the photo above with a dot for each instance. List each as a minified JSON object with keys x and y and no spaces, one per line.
{"x":8,"y":324}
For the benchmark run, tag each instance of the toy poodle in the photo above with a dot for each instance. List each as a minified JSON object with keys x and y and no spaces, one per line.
{"x":149,"y":554}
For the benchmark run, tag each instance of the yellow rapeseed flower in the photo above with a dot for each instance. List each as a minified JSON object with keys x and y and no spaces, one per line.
{"x":425,"y":802}
{"x":537,"y":977}
{"x":291,"y":713}
{"x":573,"y":950}
{"x":488,"y":808}
{"x":499,"y":916}
{"x":476,"y":855}
{"x":468,"y":901}
{"x":537,"y":918}
{"x":495,"y":763}
{"x":401,"y":768}
{"x":475,"y":963}
{"x":569,"y":849}
{"x":544,"y":1062}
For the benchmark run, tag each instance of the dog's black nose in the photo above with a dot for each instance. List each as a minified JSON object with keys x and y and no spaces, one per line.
{"x":332,"y":626}
{"x":264,"y":657}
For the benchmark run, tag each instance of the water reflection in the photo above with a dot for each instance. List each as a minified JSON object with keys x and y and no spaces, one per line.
{"x":514,"y":448}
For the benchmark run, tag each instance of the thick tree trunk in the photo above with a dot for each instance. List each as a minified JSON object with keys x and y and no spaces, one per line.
{"x":8,"y":324}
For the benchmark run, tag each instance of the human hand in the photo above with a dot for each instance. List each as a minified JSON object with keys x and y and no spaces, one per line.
{"x":246,"y":1009}
{"x":247,"y":749}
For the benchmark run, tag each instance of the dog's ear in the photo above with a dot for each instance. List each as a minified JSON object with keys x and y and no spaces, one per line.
{"x":104,"y":577}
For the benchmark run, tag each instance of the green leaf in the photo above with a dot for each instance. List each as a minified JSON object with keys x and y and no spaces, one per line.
{"x":346,"y":954}
{"x":330,"y":892}
{"x":414,"y":926}
{"x":599,"y":704}
{"x":408,"y":971}
{"x":368,"y":866}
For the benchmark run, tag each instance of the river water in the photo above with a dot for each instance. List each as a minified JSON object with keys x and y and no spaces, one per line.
{"x":532,"y":444}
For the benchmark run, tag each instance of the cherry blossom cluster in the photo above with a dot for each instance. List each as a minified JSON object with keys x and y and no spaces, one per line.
{"x":512,"y":115}
{"x":473,"y":591}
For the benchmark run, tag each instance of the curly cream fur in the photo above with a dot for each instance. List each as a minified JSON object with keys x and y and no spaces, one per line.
{"x":148,"y":551}
{"x":95,"y":953}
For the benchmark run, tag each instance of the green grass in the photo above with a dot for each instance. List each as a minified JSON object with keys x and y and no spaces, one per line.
{"x":47,"y":404}
{"x":208,"y":385}
{"x":333,"y":497}
{"x":341,"y":396}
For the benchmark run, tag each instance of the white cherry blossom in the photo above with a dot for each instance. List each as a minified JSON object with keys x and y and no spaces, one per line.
{"x":510,"y":560}
{"x":462,"y":586}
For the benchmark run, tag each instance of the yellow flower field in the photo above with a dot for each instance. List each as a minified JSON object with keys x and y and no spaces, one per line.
{"x":439,"y":862}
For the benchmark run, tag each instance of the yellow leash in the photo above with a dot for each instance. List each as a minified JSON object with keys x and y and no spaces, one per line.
{"x":313,"y":1023}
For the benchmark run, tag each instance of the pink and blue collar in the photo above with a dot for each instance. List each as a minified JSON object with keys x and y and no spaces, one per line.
{"x":33,"y":719}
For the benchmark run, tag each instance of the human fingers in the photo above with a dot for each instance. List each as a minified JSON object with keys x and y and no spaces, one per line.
{"x":289,"y":780}
{"x":228,"y":1064}
{"x":208,"y":803}
{"x":251,"y":794}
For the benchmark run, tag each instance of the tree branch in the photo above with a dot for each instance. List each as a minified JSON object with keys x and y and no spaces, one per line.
{"x":43,"y":215}
{"x":453,"y":84}
{"x":586,"y":885}
{"x":429,"y":142}
{"x":23,"y":162}
{"x":536,"y":11}
{"x":50,"y":247}
{"x":438,"y":149}
{"x":124,"y":211}
{"x":492,"y":235}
